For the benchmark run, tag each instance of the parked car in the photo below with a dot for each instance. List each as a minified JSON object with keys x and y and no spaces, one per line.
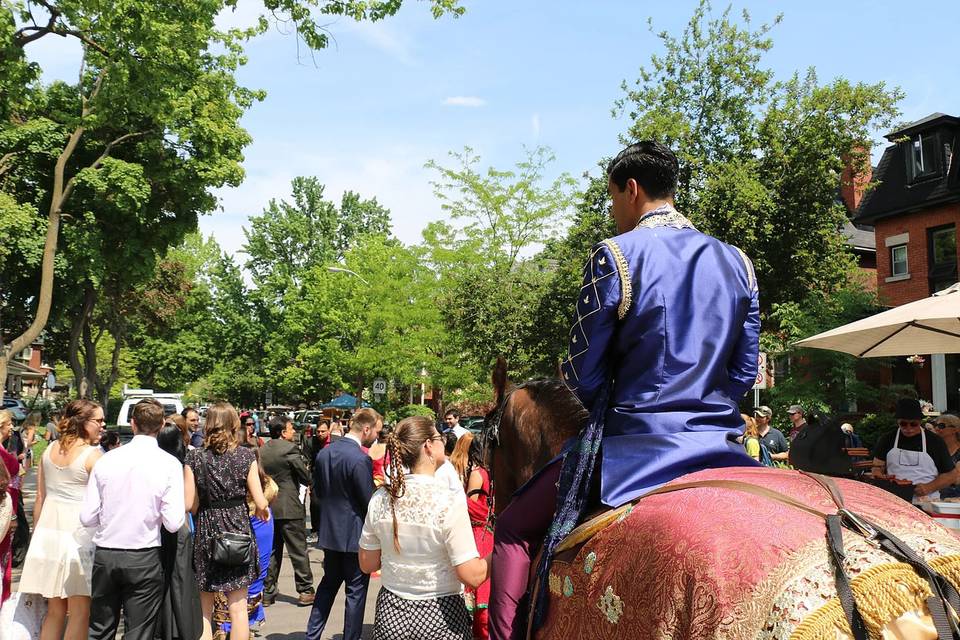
{"x":171,"y":402}
{"x":16,"y":408}
{"x":472,"y":423}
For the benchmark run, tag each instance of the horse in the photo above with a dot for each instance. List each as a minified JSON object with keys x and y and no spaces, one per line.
{"x":730,"y":553}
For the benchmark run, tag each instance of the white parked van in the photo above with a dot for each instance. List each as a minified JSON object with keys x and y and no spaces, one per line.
{"x":172,"y":403}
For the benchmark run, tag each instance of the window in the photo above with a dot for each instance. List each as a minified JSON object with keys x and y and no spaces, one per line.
{"x":922,"y":157}
{"x":898,"y":260}
{"x":26,"y":354}
{"x":942,"y":257}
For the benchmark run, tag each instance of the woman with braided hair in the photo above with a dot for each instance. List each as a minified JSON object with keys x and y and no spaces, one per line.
{"x":417,"y":531}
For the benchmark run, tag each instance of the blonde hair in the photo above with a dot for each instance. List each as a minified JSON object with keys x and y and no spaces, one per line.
{"x":751,"y":430}
{"x":220,"y":431}
{"x":460,"y":458}
{"x":6,"y":416}
{"x":404,"y":444}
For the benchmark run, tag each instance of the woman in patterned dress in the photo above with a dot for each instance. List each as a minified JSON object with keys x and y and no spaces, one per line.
{"x":419,"y":531}
{"x":59,"y":562}
{"x":217,"y":480}
{"x":10,"y":484}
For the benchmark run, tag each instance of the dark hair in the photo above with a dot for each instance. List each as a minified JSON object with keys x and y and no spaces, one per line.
{"x":449,"y":442}
{"x":651,"y":164}
{"x":452,"y":412}
{"x":277,"y":425}
{"x":170,"y":439}
{"x":109,"y":440}
{"x":187,"y":410}
{"x":148,"y":414}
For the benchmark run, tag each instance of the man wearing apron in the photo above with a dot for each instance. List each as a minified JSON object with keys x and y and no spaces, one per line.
{"x":911,"y":453}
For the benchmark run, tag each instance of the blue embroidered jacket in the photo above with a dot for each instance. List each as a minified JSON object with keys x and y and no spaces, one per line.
{"x":669,"y":317}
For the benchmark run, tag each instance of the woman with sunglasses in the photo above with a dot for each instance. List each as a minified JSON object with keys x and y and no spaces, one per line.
{"x":948,"y":427}
{"x":910,"y":453}
{"x":59,"y":563}
{"x":418,"y":531}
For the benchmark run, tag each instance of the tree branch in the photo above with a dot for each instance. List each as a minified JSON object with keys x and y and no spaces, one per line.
{"x":96,"y":164}
{"x":5,"y":162}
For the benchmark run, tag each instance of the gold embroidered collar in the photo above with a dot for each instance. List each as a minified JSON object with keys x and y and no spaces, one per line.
{"x":665,"y":216}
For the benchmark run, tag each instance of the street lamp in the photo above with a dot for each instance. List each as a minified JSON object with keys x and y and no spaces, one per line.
{"x":345,"y":270}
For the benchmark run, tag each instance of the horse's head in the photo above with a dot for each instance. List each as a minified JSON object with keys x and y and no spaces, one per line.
{"x":526,"y":428}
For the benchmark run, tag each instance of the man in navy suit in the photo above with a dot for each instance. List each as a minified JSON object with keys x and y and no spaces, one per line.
{"x":343,"y":484}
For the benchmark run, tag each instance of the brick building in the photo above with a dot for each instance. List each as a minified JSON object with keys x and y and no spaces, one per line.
{"x":915,"y":211}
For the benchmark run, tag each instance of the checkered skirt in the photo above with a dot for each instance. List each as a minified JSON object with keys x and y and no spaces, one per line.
{"x":443,"y":618}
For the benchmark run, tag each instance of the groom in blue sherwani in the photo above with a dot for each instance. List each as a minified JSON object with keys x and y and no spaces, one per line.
{"x":663,"y":347}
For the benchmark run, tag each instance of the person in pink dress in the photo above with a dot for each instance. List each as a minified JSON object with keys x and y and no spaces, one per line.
{"x":9,"y":484}
{"x":467,"y":458}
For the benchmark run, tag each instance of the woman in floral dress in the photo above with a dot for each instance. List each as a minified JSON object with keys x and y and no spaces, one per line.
{"x":217,"y":480}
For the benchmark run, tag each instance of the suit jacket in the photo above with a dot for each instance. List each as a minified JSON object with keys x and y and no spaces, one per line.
{"x":669,"y":318}
{"x":343,"y":484}
{"x":281,"y":461}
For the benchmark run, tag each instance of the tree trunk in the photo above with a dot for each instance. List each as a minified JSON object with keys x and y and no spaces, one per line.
{"x":73,"y":348}
{"x":57,"y":197}
{"x":90,"y":360}
{"x":119,"y":335}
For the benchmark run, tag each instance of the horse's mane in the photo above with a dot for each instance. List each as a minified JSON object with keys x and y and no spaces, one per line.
{"x":552,"y":402}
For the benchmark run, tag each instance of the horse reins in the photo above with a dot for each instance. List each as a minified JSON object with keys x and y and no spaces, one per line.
{"x":491,"y":438}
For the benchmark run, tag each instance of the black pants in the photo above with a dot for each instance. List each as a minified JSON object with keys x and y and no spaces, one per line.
{"x":128,"y":578}
{"x":294,"y":534}
{"x":339,"y":567}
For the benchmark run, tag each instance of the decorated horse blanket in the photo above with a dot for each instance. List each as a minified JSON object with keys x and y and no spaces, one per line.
{"x":719,"y":563}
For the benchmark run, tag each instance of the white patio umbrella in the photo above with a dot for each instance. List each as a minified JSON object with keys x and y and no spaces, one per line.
{"x":930,"y":325}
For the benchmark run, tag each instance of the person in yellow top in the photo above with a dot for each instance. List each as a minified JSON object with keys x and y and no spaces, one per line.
{"x":751,"y":437}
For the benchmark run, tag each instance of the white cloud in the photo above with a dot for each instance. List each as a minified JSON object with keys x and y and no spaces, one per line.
{"x":464,"y":101}
{"x":535,"y":125}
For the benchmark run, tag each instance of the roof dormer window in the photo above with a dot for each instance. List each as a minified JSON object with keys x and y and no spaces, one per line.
{"x":923,"y":157}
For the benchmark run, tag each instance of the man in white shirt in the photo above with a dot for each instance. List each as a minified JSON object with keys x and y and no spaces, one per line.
{"x":132,"y":491}
{"x":452,"y":420}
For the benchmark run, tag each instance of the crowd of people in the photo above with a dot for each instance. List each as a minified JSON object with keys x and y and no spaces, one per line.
{"x":181,"y":532}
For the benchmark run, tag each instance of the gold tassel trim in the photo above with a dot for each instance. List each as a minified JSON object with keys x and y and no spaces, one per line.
{"x":623,"y":270}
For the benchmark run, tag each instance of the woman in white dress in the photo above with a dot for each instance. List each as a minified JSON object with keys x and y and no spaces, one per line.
{"x":59,"y":562}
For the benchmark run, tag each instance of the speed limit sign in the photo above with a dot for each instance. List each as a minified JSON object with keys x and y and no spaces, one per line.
{"x":379,"y":386}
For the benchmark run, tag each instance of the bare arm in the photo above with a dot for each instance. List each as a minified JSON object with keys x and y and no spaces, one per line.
{"x":879,"y":467}
{"x":256,"y":492}
{"x":940,"y":482}
{"x":92,"y":459}
{"x":475,"y":482}
{"x":191,"y":497}
{"x":369,"y":560}
{"x":474,"y":572}
{"x":41,"y":496}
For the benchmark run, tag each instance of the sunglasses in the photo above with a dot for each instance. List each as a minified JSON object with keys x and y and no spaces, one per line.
{"x":908,"y":423}
{"x":248,"y":424}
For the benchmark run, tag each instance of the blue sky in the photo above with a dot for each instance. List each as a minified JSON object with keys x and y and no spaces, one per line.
{"x":367,"y":113}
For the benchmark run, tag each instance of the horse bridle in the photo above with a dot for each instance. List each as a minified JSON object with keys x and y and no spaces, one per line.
{"x":491,"y":439}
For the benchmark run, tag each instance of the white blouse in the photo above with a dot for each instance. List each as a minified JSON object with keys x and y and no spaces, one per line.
{"x":435,"y":536}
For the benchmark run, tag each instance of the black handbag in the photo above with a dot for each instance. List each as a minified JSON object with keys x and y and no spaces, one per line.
{"x":229,"y":548}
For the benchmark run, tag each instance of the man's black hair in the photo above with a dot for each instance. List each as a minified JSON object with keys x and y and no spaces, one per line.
{"x":189,"y":409}
{"x":452,"y":412}
{"x":277,"y":425}
{"x":651,"y":164}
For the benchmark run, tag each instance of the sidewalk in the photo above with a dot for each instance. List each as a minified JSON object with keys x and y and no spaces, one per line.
{"x":286,"y":620}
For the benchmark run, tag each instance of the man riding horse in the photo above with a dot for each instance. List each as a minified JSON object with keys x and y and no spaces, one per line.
{"x":664,"y":345}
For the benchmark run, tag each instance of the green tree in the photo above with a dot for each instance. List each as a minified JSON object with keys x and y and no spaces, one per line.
{"x":760,"y":159}
{"x":288,"y":239}
{"x":156,"y":80}
{"x":488,"y":284}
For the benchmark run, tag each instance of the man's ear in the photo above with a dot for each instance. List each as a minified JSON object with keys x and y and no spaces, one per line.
{"x":637,"y":193}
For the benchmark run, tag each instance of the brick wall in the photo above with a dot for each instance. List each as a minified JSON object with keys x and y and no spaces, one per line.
{"x":916,"y":224}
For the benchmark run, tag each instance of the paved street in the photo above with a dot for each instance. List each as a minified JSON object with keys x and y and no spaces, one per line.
{"x":286,"y":620}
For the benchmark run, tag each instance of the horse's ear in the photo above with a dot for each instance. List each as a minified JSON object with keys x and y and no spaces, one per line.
{"x":500,"y":378}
